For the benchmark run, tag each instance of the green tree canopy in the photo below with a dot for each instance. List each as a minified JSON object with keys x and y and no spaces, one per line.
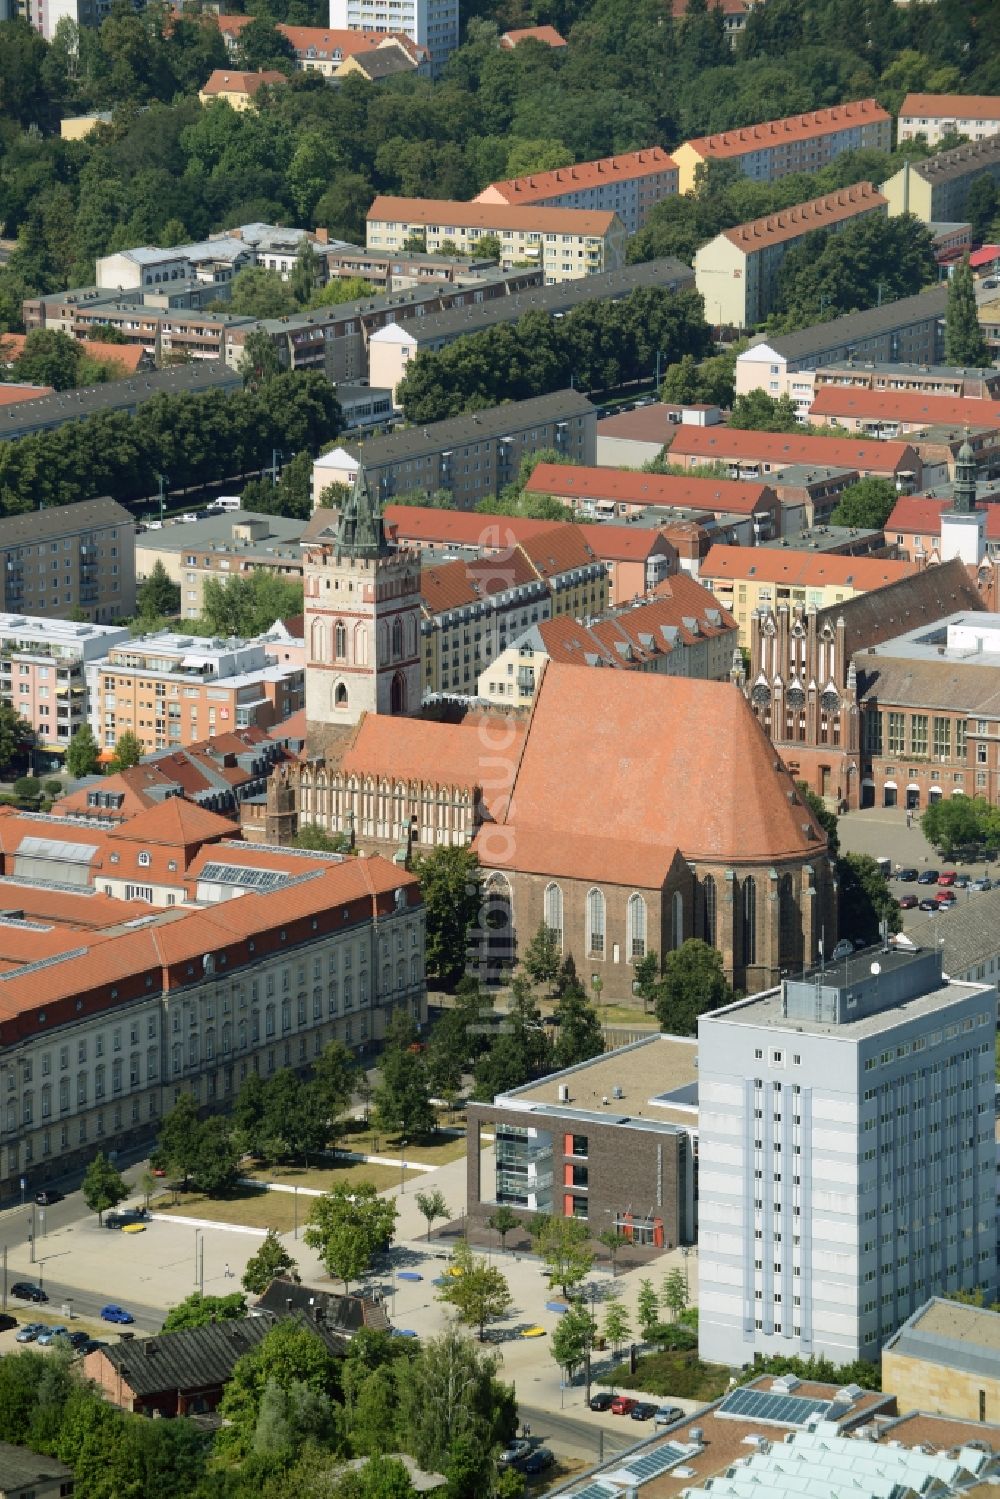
{"x":759,"y":412}
{"x":871,"y":258}
{"x":562,"y":1244}
{"x":249,"y":603}
{"x":103,"y":1186}
{"x":271,"y":1261}
{"x":348,"y":1226}
{"x":402,"y":1098}
{"x":197,"y":1310}
{"x":14,"y":734}
{"x":450,"y":883}
{"x":49,"y":358}
{"x":964,"y":343}
{"x":158,"y":596}
{"x":479,"y":1293}
{"x":961,"y":823}
{"x":866,"y":504}
{"x":128,"y":752}
{"x":573,"y":1339}
{"x":289,"y":1356}
{"x":82,"y":753}
{"x":579,"y":1035}
{"x":865,"y":898}
{"x":693,"y":982}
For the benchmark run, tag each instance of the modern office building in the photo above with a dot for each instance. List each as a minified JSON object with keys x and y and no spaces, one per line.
{"x":433,"y":24}
{"x":737,"y":271}
{"x":933,"y":116}
{"x":69,"y":558}
{"x":800,"y":143}
{"x":847,"y":1160}
{"x":937,"y":190}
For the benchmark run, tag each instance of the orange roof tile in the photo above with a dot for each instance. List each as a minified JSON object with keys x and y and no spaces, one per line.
{"x":921,"y":515}
{"x":547,"y":34}
{"x":11,"y":393}
{"x":682,"y":613}
{"x":438,"y":753}
{"x":175,"y":822}
{"x":793,"y":127}
{"x":450,"y":585}
{"x":77,"y":911}
{"x":804,"y":569}
{"x":537,"y":186}
{"x":426,"y":524}
{"x":445,"y":212}
{"x":624,"y":543}
{"x":636,"y":742}
{"x":732,"y":443}
{"x":226,"y":81}
{"x":904,"y":406}
{"x":950,"y":107}
{"x":558,"y":549}
{"x":717,"y":496}
{"x":803,"y":218}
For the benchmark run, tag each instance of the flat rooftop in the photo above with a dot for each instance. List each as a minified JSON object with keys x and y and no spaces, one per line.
{"x":644,"y":1072}
{"x":824,"y":539}
{"x":216,"y":532}
{"x":934,"y":642}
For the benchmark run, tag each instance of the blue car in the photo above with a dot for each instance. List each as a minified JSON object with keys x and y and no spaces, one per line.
{"x":114,"y":1313}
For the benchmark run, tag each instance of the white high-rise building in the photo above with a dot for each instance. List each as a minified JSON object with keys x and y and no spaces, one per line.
{"x":430,"y":23}
{"x":847,"y":1160}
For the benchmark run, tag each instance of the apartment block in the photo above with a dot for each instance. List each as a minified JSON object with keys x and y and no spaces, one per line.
{"x":471,"y":610}
{"x":737,"y":272}
{"x":314,"y":950}
{"x":324,"y":49}
{"x":564,"y":242}
{"x":471,"y":456}
{"x":628,"y":185}
{"x":933,"y":116}
{"x":222,"y":546}
{"x":43,"y":674}
{"x":170,"y":689}
{"x":895,"y":413}
{"x":72,"y":558}
{"x":799,"y":143}
{"x":605,"y":493}
{"x":909,"y":331}
{"x":937,"y":190}
{"x":432,"y":24}
{"x":847,"y":1161}
{"x":928,"y":379}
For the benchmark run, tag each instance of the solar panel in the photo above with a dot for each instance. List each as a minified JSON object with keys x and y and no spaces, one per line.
{"x":783,"y":1410}
{"x":241,"y":874}
{"x":652,"y":1464}
{"x":596,"y":1491}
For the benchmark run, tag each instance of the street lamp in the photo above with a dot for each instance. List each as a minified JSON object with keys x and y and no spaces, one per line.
{"x":402,"y":1165}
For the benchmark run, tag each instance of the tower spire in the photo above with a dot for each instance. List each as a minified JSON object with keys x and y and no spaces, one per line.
{"x":964,"y":488}
{"x":360,"y":529}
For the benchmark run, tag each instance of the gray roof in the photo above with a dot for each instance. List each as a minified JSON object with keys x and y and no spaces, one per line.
{"x":24,"y":417}
{"x":970,"y":937}
{"x":62,"y":520}
{"x":844,"y":332}
{"x":216,"y":532}
{"x":947,"y":166}
{"x":384,"y":62}
{"x":20,"y":1468}
{"x":607,"y":285}
{"x":870,"y":618}
{"x":413,"y":296}
{"x":950,"y":1334}
{"x":968,"y":686}
{"x":497,"y":421}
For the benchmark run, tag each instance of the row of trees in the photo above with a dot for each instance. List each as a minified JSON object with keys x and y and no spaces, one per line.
{"x":193,"y":439}
{"x":599,"y":346}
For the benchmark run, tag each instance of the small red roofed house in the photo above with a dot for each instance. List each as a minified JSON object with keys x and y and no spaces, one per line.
{"x":548,"y":36}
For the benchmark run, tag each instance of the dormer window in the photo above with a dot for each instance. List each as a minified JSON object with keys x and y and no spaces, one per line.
{"x":144,"y":860}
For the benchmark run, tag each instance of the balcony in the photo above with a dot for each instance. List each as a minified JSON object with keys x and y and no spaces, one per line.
{"x":522,"y":1186}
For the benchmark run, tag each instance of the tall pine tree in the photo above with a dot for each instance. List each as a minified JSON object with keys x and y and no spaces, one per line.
{"x":963,"y":337}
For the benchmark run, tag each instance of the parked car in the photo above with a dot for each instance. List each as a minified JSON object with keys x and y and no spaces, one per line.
{"x":26,"y":1290}
{"x":126,"y":1217}
{"x":29,"y":1332}
{"x":929,"y":905}
{"x":908,"y":876}
{"x":623,"y":1405}
{"x":78,"y":1339}
{"x":947,"y":898}
{"x":927,"y":877}
{"x":843,"y":949}
{"x":907,"y":902}
{"x":601,"y":1402}
{"x":47,"y":1197}
{"x":50,"y":1334}
{"x":962,"y":881}
{"x":947,"y":877}
{"x":666,"y":1415}
{"x":514,"y":1452}
{"x":538,"y":1461}
{"x":115,"y":1313}
{"x":7,"y":1322}
{"x":644,"y":1410}
{"x":90,"y":1346}
{"x":982,"y":883}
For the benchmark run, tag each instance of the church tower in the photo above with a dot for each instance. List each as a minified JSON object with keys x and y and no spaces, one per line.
{"x":963,"y":527}
{"x":362,"y":618}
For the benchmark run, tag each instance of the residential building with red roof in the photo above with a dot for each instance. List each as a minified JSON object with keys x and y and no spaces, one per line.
{"x":566,"y":243}
{"x":128,"y":357}
{"x":931,"y":117}
{"x":737,"y":271}
{"x":921,"y":379}
{"x":547,"y":35}
{"x":239,"y":90}
{"x":607,"y":492}
{"x":799,"y":143}
{"x":628,"y":185}
{"x":680,"y":632}
{"x":315,"y":949}
{"x":471,"y":608}
{"x":631,"y":439}
{"x":13,"y":392}
{"x":734,"y":14}
{"x":751,"y":455}
{"x":323,"y":49}
{"x":896,"y":413}
{"x":746,"y":579}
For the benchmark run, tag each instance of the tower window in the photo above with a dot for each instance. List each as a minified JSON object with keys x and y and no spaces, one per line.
{"x":340,"y":641}
{"x":340,"y":696}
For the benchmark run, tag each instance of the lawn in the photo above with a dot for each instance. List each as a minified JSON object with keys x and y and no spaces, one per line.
{"x":258,"y":1208}
{"x":325,"y":1177}
{"x":435,"y":1150}
{"x":679,"y":1375}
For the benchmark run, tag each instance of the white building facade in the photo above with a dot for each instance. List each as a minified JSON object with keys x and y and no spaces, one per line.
{"x":433,"y":24}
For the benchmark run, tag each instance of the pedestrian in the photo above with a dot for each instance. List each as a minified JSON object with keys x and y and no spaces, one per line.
{"x":228,"y":1271}
{"x":909,"y":819}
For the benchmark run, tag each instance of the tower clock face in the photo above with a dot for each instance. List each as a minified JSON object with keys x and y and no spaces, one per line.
{"x":796,"y":697}
{"x":830,"y":701}
{"x":761,"y":695}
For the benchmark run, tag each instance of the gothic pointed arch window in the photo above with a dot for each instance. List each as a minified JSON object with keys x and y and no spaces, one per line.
{"x":361,"y":644}
{"x":411,"y":636}
{"x":708,"y":909}
{"x":498,"y":925}
{"x":340,"y":640}
{"x":317,"y":640}
{"x":595,"y":923}
{"x":749,"y":920}
{"x":554,"y":911}
{"x":677,"y":918}
{"x":636,"y":927}
{"x":397,"y":639}
{"x":383,"y":641}
{"x":340,"y":695}
{"x":397,"y":693}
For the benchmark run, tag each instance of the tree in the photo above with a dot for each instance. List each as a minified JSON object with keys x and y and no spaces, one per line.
{"x":617,"y":1328}
{"x":693,"y":982}
{"x":14,"y":733}
{"x":541,"y":956}
{"x":646,"y":976}
{"x":49,"y":358}
{"x":180,"y":1137}
{"x":562,"y":1244}
{"x":981,"y":206}
{"x":451,"y":1392}
{"x":613,"y":1242}
{"x":675,"y":1292}
{"x":432,"y":1205}
{"x":579,"y":1035}
{"x":128,"y":752}
{"x":82,"y":755}
{"x":260,"y":293}
{"x":304,"y":273}
{"x":271,"y":1261}
{"x":962,"y":823}
{"x":870,"y":260}
{"x":503,"y":1222}
{"x":450,"y":883}
{"x":292,"y":1357}
{"x":680,"y":383}
{"x":865,"y":899}
{"x":647,"y":1307}
{"x":480,"y":1294}
{"x":248,"y":604}
{"x":259,"y":362}
{"x":520,"y":1052}
{"x":402,"y":1098}
{"x":822,"y":814}
{"x":197,"y":1310}
{"x":573,"y":1339}
{"x":380,"y":1478}
{"x":756,"y":411}
{"x":349,"y":1225}
{"x":866,"y":504}
{"x":263,"y":47}
{"x":294,"y":1115}
{"x":312,"y":836}
{"x":103,"y":1187}
{"x":216,"y":1163}
{"x":341,"y":289}
{"x":147,"y":1186}
{"x":336,"y":1074}
{"x":158,"y":596}
{"x":964,"y":343}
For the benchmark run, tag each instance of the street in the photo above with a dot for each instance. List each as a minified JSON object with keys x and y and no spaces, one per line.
{"x":577,"y":1437}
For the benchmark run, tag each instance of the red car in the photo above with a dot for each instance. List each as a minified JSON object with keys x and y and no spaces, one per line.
{"x":949,"y":898}
{"x":623,"y":1405}
{"x":908,"y":903}
{"x":947,"y":877}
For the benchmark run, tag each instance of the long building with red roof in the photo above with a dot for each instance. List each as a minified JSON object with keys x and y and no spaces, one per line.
{"x":895,"y":413}
{"x":750,"y":454}
{"x":630,"y":185}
